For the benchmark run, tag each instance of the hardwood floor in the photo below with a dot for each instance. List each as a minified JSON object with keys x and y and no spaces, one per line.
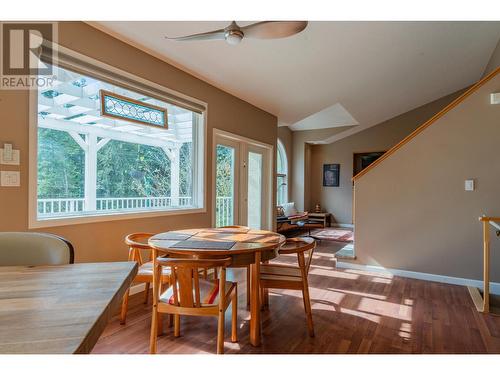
{"x":353,"y":311}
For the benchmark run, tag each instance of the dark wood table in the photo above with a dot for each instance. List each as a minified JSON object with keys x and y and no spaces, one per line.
{"x":59,"y":309}
{"x":251,"y":247}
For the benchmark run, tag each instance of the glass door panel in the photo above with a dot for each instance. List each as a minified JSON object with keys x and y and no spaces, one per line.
{"x":225,"y":185}
{"x":242,"y":182}
{"x":255,"y":190}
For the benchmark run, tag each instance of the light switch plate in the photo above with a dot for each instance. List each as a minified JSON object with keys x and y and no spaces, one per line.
{"x":14,"y":159}
{"x":469,"y":185}
{"x":10,"y":178}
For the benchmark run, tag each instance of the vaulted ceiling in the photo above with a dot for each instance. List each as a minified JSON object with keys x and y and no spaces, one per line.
{"x":333,"y":73}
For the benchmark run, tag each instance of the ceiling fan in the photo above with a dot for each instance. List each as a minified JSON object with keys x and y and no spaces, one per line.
{"x":234,"y":34}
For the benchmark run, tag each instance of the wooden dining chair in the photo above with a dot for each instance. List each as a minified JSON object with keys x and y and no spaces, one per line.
{"x":138,"y":251}
{"x":189,"y":294}
{"x":247,"y":266}
{"x":280,"y":276}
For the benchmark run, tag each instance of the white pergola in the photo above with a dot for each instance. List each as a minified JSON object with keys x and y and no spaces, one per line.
{"x":72,"y":105}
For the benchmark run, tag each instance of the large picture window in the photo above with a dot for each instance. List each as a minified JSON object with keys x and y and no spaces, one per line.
{"x":123,"y":158}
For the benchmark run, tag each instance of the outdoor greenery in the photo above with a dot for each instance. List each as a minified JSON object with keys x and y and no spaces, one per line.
{"x":123,"y":169}
{"x":61,"y":165}
{"x":132,"y":170}
{"x":224,"y":180}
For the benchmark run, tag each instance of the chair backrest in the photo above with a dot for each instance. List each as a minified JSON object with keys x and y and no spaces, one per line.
{"x":138,"y":242}
{"x":185,"y":278}
{"x":303,"y":247}
{"x":34,"y":249}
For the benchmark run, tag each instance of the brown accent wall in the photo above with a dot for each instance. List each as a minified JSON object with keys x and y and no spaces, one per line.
{"x":104,"y":241}
{"x":338,"y":200}
{"x":412,"y":212}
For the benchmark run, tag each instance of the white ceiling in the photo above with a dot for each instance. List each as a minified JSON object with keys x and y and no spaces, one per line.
{"x":365,"y":72}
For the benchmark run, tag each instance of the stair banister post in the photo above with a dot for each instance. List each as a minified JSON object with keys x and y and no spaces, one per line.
{"x":486,"y":270}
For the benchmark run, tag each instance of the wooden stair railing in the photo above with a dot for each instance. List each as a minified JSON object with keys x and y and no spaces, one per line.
{"x":483,"y":302}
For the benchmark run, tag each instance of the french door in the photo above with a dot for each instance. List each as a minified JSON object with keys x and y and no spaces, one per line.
{"x":242,"y":181}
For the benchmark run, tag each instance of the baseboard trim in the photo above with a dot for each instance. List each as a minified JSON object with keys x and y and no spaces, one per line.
{"x":494,"y":287}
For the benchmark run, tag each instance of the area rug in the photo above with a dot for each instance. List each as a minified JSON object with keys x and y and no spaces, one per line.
{"x":333,"y":234}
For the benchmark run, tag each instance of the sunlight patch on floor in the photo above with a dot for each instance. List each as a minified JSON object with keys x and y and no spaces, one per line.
{"x":331,"y":272}
{"x":232,"y":345}
{"x":381,"y":280}
{"x":370,"y":273}
{"x":361,"y":294}
{"x":389,"y":309}
{"x":371,"y":317}
{"x":329,"y":296}
{"x":405,"y":330}
{"x":340,"y":275}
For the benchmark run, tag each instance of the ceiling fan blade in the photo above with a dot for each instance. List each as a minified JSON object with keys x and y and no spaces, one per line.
{"x":211,"y":35}
{"x":273,"y":29}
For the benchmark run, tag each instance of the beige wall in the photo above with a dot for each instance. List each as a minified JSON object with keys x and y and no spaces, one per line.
{"x":285,"y":135}
{"x":412,"y":212}
{"x":338,"y":200}
{"x":494,"y":60}
{"x":104,"y":241}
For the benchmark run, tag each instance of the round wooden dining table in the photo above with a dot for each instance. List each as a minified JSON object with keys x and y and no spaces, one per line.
{"x":243,"y":245}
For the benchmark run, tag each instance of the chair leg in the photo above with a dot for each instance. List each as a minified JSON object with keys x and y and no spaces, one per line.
{"x":123,"y":314}
{"x":248,"y":286}
{"x":170,"y":320}
{"x":307,"y":307}
{"x":159,"y":319}
{"x":177,"y":325}
{"x":220,"y":332}
{"x":265,"y":298}
{"x":234,"y":315}
{"x":154,"y":330}
{"x":146,"y":292}
{"x":261,"y":293}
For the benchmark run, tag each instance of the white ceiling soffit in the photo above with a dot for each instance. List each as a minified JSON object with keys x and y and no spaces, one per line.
{"x":377,"y":70}
{"x":331,"y":117}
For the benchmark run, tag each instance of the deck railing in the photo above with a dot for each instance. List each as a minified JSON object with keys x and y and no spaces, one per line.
{"x":224,"y":211}
{"x":48,"y":207}
{"x":61,"y":206}
{"x":57,"y":206}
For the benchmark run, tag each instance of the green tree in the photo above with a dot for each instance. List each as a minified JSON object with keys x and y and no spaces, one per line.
{"x":132,"y":170}
{"x":61,"y":165}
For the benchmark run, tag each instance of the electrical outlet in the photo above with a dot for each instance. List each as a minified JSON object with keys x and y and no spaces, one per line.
{"x":10,"y":178}
{"x":469,"y":185}
{"x":13,"y":157}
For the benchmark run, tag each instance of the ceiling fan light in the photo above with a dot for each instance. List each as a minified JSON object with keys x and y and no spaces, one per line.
{"x":234,"y":37}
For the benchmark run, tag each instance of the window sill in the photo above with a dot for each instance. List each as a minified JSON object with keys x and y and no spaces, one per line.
{"x":112,"y":216}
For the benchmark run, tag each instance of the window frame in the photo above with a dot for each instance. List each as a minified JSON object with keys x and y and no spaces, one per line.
{"x":280,"y":149}
{"x":128,"y":80}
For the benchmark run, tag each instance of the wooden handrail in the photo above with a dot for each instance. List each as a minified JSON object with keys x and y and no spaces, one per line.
{"x":489,"y":218}
{"x":428,"y":123}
